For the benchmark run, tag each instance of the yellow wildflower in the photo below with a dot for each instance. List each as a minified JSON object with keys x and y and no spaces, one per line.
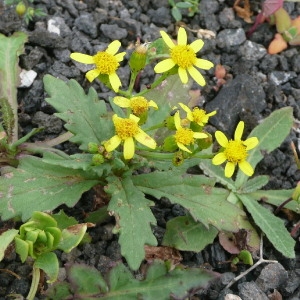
{"x":126,"y":130}
{"x":106,"y":62}
{"x":197,"y":115}
{"x":235,"y":151}
{"x":138,"y":105}
{"x":184,"y":56}
{"x":185,"y":136}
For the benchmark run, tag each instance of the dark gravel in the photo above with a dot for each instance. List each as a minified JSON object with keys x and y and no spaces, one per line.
{"x":257,"y":84}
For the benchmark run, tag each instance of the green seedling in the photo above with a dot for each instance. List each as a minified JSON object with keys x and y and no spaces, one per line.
{"x":177,"y":6}
{"x":38,"y":238}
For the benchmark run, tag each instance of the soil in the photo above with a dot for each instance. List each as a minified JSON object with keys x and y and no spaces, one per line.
{"x":256,"y":84}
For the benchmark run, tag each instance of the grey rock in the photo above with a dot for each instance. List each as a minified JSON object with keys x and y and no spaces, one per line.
{"x":50,"y":123}
{"x":252,"y":51}
{"x":69,"y":5}
{"x":160,"y":16}
{"x":114,"y":32}
{"x":292,"y":283}
{"x":230,"y":37}
{"x":209,"y":6}
{"x":33,"y":58}
{"x":237,"y":96}
{"x":271,"y":277}
{"x":60,"y":25}
{"x":87,"y":24}
{"x":227,"y":18}
{"x":62,"y":54}
{"x":280,"y":77}
{"x":47,"y":39}
{"x":250,"y":291}
{"x":62,"y":69}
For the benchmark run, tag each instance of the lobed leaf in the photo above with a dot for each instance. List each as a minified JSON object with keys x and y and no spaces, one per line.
{"x":185,"y":234}
{"x":85,"y":116}
{"x":38,"y":185}
{"x":272,"y":226}
{"x":48,"y":262}
{"x":196,"y":193}
{"x":5,"y":239}
{"x":133,"y":216}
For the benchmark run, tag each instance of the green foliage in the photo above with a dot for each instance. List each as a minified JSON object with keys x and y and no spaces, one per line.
{"x":38,"y":184}
{"x":85,"y":116}
{"x":10,"y":49}
{"x":272,"y":131}
{"x":177,"y":6}
{"x":160,"y":283}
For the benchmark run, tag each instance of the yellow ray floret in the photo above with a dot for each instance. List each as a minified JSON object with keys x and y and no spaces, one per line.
{"x":235,"y":151}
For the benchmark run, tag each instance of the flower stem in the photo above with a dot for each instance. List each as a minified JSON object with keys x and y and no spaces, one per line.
{"x":34,"y":283}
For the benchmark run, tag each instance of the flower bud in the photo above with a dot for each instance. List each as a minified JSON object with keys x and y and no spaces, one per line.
{"x":138,"y":58}
{"x":21,"y":9}
{"x":93,"y":147}
{"x":97,"y":159}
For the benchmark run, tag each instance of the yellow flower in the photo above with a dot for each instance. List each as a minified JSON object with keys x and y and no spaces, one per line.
{"x":126,"y":130}
{"x":235,"y":151}
{"x":184,"y":56}
{"x":106,"y":62}
{"x":138,"y":105}
{"x":185,"y":136}
{"x":197,"y":115}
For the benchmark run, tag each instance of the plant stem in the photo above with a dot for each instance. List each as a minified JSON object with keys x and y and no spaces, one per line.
{"x":34,"y":283}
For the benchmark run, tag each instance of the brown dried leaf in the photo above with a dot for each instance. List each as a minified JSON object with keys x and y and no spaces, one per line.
{"x":163,"y":253}
{"x":244,"y":11}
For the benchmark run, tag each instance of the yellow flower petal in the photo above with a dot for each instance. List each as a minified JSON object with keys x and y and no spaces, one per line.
{"x":177,"y":120}
{"x":211,"y":113}
{"x":251,"y":143}
{"x":128,"y":150}
{"x":246,"y":168}
{"x":112,"y":143}
{"x":83,"y":58}
{"x":229,"y":169}
{"x":120,"y":56}
{"x":200,"y":135}
{"x":196,"y":75}
{"x":197,"y":45}
{"x":181,"y":37}
{"x":122,"y":101}
{"x":164,"y":66}
{"x":167,"y":39}
{"x":145,"y":139}
{"x":183,"y":75}
{"x":113,"y":47}
{"x":184,"y":148}
{"x":92,"y":74}
{"x":134,"y":118}
{"x":219,"y":159}
{"x":203,"y":64}
{"x":115,"y":81}
{"x":152,"y":104}
{"x":239,"y":131}
{"x":221,"y":138}
{"x":184,"y":107}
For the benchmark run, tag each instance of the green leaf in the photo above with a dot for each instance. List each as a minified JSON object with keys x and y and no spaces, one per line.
{"x":277,"y":197}
{"x":5,"y":239}
{"x":216,"y":172}
{"x":272,"y":226}
{"x":72,"y":236}
{"x":10,"y":48}
{"x":176,"y":14}
{"x":98,"y":216}
{"x":133,"y":216}
{"x":35,"y":184}
{"x":184,"y":5}
{"x":48,"y":262}
{"x":22,"y":248}
{"x":86,"y":281}
{"x":184,"y":234}
{"x":246,"y":257}
{"x":63,"y":221}
{"x":85,"y":116}
{"x":271,"y":133}
{"x":253,"y":184}
{"x":204,"y":202}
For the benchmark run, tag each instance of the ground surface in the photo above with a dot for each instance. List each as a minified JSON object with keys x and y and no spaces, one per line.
{"x":256,"y":84}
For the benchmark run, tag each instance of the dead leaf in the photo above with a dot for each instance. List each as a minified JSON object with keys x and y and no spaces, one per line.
{"x":163,"y":253}
{"x":244,"y":11}
{"x":277,"y":45}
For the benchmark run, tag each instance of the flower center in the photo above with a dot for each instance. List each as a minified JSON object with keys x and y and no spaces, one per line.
{"x":126,"y":128}
{"x":139,"y":105}
{"x":235,"y":151}
{"x":184,"y":136}
{"x":199,"y":116}
{"x":184,"y":56}
{"x":106,"y":63}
